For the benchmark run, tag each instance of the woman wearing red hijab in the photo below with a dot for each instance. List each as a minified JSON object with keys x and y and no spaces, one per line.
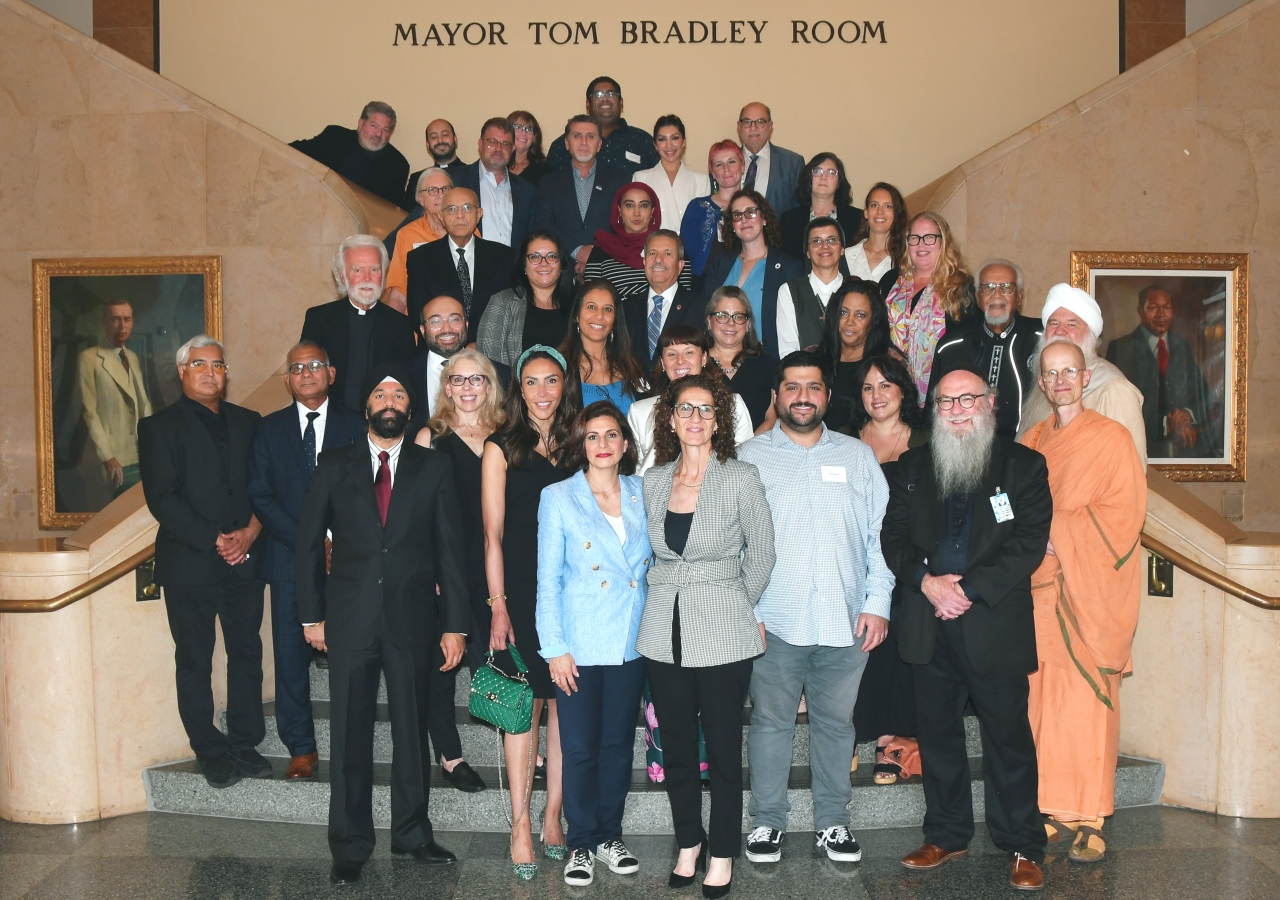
{"x":618,"y":254}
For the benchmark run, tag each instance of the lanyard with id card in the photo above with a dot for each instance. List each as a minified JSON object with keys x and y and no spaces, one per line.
{"x":1000,"y":506}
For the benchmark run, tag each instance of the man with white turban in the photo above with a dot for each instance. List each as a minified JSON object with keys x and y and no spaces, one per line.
{"x":1071,"y":313}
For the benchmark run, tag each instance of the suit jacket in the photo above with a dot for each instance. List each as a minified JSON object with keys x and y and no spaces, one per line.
{"x":688,"y":307}
{"x":410,"y":201}
{"x":192,"y":497}
{"x":377,"y":571}
{"x":423,"y":413}
{"x":1185,"y":388}
{"x":393,"y":339}
{"x":278,"y":477}
{"x":721,"y":574}
{"x":114,"y":402}
{"x":794,"y":221}
{"x":556,"y":208}
{"x":382,"y":172}
{"x":780,"y":267}
{"x":999,"y":628}
{"x":523,"y":195}
{"x":433,"y":271}
{"x":785,"y":167}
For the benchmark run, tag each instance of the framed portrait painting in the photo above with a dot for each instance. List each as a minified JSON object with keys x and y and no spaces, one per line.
{"x":1177,"y":325}
{"x":106,"y":335}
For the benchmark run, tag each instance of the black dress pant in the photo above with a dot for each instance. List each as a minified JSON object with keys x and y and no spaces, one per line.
{"x":1008,"y":751}
{"x":442,"y":722}
{"x":353,"y":680}
{"x":192,"y":609}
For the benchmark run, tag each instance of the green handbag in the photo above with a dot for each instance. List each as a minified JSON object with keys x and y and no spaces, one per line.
{"x":501,"y":700}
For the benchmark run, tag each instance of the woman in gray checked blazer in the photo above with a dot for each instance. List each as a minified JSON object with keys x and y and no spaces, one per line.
{"x":712,"y":537}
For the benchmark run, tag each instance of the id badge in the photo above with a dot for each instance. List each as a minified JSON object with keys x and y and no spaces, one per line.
{"x":1000,"y":506}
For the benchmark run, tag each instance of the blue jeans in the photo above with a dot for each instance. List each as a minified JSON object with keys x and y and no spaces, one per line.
{"x":597,"y":736}
{"x":293,"y":672}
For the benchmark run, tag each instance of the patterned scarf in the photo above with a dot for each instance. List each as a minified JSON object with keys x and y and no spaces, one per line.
{"x":916,"y":332}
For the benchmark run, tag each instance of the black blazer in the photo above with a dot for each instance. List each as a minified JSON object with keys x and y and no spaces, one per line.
{"x":433,"y":271}
{"x":1000,"y":628}
{"x":393,"y":339}
{"x":523,"y":195}
{"x":378,"y":571}
{"x":688,"y":307}
{"x":192,"y":497}
{"x":382,"y":172}
{"x":794,"y":221}
{"x":556,"y":208}
{"x":278,"y":478}
{"x":780,"y":267}
{"x":410,"y":201}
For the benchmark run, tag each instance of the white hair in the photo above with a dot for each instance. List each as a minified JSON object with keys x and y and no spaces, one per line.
{"x":960,"y":460}
{"x":196,"y":343}
{"x":340,"y":258}
{"x":427,"y":173}
{"x":997,"y":261}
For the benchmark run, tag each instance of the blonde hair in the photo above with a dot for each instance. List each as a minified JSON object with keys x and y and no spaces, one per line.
{"x":491,"y":414}
{"x":951,"y":281}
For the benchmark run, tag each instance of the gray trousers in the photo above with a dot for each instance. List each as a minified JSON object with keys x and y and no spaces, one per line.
{"x":829,"y":677}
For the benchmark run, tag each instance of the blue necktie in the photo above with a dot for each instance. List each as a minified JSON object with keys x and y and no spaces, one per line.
{"x":309,"y":441}
{"x":749,"y":183}
{"x":655,"y":324}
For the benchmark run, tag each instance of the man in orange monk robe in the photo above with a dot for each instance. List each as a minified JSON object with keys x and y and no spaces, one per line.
{"x":1086,"y":603}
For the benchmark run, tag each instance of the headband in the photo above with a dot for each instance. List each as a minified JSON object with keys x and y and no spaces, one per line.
{"x":540,"y":348}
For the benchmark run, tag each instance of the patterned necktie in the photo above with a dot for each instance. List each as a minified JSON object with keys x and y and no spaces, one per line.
{"x":1162,"y":357}
{"x":749,"y":183}
{"x":124,"y":361}
{"x":382,"y":486}
{"x":655,"y":324}
{"x":464,"y":278}
{"x":309,"y":441}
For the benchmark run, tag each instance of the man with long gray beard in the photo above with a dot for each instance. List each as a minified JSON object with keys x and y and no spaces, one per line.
{"x":967,"y":523}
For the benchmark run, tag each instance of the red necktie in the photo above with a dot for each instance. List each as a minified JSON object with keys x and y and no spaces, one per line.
{"x":382,"y":486}
{"x":1162,"y":357}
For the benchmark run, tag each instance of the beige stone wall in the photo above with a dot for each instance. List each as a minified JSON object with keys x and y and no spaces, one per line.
{"x":102,"y":157}
{"x":1181,"y":153}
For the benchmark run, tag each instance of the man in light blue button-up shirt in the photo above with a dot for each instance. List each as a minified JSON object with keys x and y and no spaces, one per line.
{"x":826,"y":607}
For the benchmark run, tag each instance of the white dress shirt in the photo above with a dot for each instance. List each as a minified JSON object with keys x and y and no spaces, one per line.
{"x":788,"y":329}
{"x":499,"y":209}
{"x":469,"y":255}
{"x":640,"y":419}
{"x":674,"y":197}
{"x":435,"y":365}
{"x":856,"y":257}
{"x":393,"y":458}
{"x":320,"y":421}
{"x":668,"y":298}
{"x":762,"y":169}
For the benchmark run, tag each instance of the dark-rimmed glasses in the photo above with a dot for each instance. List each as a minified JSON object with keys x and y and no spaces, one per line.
{"x":966,"y":401}
{"x":535,"y":258}
{"x":475,"y":381}
{"x":750,"y":212}
{"x":736,"y":318}
{"x":685,"y":411}
{"x":927,"y":239}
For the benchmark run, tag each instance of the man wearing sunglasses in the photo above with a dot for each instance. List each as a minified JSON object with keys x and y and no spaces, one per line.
{"x":771,"y":170}
{"x":507,"y":201}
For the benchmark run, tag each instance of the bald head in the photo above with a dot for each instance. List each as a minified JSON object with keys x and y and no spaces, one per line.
{"x":444,"y":325}
{"x":1063,"y":378}
{"x":442,"y":142}
{"x":461,"y":212}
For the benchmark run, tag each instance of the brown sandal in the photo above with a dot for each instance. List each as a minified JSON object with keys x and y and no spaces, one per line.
{"x":1082,"y":849}
{"x":1058,"y":831}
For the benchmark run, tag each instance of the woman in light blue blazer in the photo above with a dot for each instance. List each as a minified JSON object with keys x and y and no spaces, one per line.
{"x":593,"y":556}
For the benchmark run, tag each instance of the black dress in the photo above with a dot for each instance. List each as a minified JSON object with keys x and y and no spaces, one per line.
{"x":754,"y":383}
{"x":466,"y":471}
{"x":844,"y":393}
{"x":543,"y":326}
{"x":520,"y":562}
{"x":533,"y":172}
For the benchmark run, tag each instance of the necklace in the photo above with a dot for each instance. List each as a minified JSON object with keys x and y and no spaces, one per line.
{"x":606,"y":493}
{"x":728,"y":370}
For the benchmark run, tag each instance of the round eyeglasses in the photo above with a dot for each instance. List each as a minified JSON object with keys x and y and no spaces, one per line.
{"x":311,"y":366}
{"x":966,"y":401}
{"x":685,"y":411}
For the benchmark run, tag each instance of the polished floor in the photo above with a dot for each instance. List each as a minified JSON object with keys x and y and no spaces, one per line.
{"x":1154,"y":852}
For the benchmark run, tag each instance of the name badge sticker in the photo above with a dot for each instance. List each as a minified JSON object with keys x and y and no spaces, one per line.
{"x":1000,"y":506}
{"x":633,"y":157}
{"x":834,"y":473}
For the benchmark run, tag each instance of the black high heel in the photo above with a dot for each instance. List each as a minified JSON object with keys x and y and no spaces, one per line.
{"x":699,"y":864}
{"x":716,"y":891}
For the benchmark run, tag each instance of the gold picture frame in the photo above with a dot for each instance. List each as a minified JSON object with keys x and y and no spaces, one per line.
{"x":169,"y":300}
{"x":1201,"y":301}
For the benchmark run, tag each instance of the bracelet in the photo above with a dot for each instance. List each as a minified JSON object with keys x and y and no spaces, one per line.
{"x":497,"y":597}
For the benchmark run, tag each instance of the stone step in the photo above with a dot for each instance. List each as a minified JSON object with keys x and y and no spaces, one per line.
{"x":179,"y":787}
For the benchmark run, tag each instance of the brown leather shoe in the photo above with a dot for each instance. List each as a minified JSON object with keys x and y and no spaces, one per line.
{"x":930,"y":856}
{"x":302,"y":768}
{"x":1026,"y":875}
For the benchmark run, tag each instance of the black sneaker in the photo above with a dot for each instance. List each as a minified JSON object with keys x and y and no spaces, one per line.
{"x":579,"y":871}
{"x":617,"y":857}
{"x":840,"y":844}
{"x":765,"y":844}
{"x":219,"y":771}
{"x":250,"y":763}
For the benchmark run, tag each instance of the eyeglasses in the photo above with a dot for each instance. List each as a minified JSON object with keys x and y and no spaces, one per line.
{"x":927,"y":239}
{"x":685,"y":411}
{"x":966,"y":401}
{"x":605,"y":95}
{"x":455,"y":209}
{"x":535,"y":258}
{"x":493,"y":144}
{"x":749,"y":213}
{"x":735,"y":318}
{"x":474,"y":380}
{"x":818,"y":172}
{"x":1005,"y":289}
{"x":526,"y":129}
{"x":312,"y":366}
{"x":831,"y":240}
{"x":200,"y":365}
{"x":754,"y":123}
{"x":453,"y":319}
{"x":435,"y":191}
{"x":1070,"y":374}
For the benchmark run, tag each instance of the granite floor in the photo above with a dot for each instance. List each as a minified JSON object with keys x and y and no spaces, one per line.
{"x":1154,"y":852}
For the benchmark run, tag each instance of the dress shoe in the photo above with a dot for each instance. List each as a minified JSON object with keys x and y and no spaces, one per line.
{"x":464,"y":778}
{"x":302,"y":768}
{"x":432,"y":854}
{"x":716,"y":891}
{"x":250,"y":763}
{"x":699,"y":865}
{"x":1026,"y":875}
{"x":320,"y":660}
{"x":219,"y":771}
{"x":345,"y":872}
{"x":930,"y":856}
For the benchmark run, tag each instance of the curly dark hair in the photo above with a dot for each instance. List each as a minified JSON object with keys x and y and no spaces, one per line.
{"x":804,"y":187}
{"x":878,"y":336}
{"x":665,"y":443}
{"x":575,"y":453}
{"x":518,"y":435}
{"x":894,"y":371}
{"x":670,"y":336}
{"x":622,"y":362}
{"x":772,"y":231}
{"x":897,"y":230}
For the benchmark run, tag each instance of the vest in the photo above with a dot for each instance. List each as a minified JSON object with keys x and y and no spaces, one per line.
{"x":809,"y":312}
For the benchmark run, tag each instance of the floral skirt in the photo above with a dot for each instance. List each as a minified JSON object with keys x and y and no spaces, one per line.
{"x":653,"y":742}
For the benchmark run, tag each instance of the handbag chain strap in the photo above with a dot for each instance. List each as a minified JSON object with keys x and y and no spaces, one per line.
{"x":528,"y":794}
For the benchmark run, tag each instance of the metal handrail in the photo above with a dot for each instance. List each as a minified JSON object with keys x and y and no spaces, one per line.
{"x":1208,"y":576}
{"x":92,"y":586}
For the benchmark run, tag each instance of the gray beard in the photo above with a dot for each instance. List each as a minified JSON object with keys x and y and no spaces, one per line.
{"x":1000,"y":321}
{"x":960,"y":460}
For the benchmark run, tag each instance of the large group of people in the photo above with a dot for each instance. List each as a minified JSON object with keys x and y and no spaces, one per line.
{"x":642,"y":431}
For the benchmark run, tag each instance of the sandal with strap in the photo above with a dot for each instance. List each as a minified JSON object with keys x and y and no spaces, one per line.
{"x":1058,"y":831}
{"x":1089,"y":845}
{"x":885,"y":772}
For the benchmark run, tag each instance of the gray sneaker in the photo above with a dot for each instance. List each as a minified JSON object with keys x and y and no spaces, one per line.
{"x":617,"y":857}
{"x":579,"y":871}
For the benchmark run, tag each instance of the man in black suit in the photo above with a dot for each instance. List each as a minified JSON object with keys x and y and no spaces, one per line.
{"x":967,"y":524}
{"x":666,"y":301}
{"x":194,"y":461}
{"x":357,"y":331}
{"x":284,"y":455}
{"x":460,"y":264}
{"x":507,"y":202}
{"x":363,"y":154}
{"x":577,"y":201}
{"x":442,"y":144}
{"x":393,"y":511}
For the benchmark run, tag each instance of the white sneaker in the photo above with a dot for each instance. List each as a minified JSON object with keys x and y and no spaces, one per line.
{"x":579,"y":871}
{"x":840,"y":844}
{"x":764,"y":845}
{"x":617,"y":857}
